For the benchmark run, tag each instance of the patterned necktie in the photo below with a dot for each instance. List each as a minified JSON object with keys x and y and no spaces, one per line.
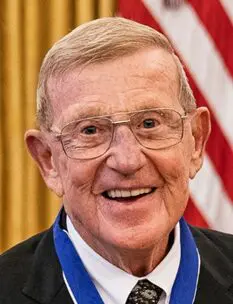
{"x":144,"y":292}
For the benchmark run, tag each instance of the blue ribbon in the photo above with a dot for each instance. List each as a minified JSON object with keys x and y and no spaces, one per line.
{"x":84,"y":290}
{"x":184,"y":288}
{"x":78,"y":279}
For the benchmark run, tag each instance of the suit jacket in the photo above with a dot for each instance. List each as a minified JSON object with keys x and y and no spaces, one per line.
{"x":30,"y":272}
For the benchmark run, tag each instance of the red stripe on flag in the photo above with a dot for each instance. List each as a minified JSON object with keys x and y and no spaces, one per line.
{"x":194,"y":216}
{"x":218,"y":25}
{"x":218,"y":147}
{"x":135,"y":10}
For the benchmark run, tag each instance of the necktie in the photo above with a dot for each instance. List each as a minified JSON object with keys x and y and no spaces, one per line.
{"x":144,"y":292}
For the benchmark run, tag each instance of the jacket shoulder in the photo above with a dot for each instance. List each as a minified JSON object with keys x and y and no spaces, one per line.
{"x":215,"y":283}
{"x":15,"y":266}
{"x":20,"y":253}
{"x":220,"y":241}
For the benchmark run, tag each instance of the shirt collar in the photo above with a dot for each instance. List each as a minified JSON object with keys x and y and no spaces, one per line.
{"x":107,"y":277}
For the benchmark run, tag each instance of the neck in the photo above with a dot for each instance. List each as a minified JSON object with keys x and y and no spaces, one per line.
{"x":137,"y":261}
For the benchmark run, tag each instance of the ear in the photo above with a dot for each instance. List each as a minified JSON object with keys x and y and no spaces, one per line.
{"x":201,"y":126}
{"x":41,"y":152}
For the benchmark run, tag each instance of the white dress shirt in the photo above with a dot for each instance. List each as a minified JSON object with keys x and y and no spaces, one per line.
{"x":113,"y":284}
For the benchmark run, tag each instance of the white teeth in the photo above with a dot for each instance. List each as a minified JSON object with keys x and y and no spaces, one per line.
{"x":135,"y":192}
{"x":111,"y":193}
{"x":118,"y":193}
{"x":127,"y":193}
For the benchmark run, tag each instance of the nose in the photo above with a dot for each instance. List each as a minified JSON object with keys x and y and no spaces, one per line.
{"x":125,"y":154}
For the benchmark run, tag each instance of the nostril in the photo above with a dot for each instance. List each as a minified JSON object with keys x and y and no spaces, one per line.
{"x":124,"y":163}
{"x":125,"y":159}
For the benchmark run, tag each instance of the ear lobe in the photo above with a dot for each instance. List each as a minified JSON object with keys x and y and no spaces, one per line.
{"x":41,"y":153}
{"x":201,"y":126}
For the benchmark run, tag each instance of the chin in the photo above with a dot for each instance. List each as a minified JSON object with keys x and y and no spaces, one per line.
{"x":138,"y":238}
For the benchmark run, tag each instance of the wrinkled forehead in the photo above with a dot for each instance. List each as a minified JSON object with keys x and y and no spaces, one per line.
{"x":146,"y":79}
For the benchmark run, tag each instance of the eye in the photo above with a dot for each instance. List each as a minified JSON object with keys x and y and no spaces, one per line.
{"x":89,"y":130}
{"x":150,"y":123}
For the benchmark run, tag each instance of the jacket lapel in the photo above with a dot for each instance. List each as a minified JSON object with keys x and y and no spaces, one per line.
{"x":210,"y":291}
{"x":215,"y":283}
{"x":45,"y":283}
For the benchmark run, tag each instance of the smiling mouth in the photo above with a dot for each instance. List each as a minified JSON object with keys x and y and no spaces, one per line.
{"x":118,"y":194}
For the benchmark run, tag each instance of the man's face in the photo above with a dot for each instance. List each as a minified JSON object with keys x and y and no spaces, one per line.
{"x":147,"y":79}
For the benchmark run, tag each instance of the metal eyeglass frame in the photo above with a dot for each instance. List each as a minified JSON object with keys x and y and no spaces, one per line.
{"x":58,"y":133}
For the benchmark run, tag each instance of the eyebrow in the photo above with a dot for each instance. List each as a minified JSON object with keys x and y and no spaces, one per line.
{"x":82,"y":112}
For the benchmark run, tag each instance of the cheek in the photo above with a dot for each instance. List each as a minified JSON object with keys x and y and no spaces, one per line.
{"x":178,"y":160}
{"x":78,"y":199}
{"x":78,"y":176}
{"x":173,"y":167}
{"x":79,"y":179}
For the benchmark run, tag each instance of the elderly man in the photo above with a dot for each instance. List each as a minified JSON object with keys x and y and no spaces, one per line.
{"x":119,"y":138}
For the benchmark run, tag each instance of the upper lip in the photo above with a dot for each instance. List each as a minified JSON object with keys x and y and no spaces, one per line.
{"x":129,"y":188}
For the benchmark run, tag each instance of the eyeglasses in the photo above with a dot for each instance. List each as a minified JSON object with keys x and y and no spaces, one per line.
{"x":91,"y":137}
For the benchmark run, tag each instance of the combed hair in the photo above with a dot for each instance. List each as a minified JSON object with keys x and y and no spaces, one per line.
{"x":99,"y":41}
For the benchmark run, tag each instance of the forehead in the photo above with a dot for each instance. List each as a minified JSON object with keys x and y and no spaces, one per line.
{"x":143,"y":80}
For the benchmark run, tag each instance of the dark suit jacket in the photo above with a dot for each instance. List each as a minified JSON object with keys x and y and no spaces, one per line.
{"x":30,"y":272}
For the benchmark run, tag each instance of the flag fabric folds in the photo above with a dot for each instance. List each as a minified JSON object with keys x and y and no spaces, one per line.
{"x":201,"y":33}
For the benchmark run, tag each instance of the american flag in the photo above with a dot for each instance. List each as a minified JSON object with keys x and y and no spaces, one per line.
{"x":201,"y":33}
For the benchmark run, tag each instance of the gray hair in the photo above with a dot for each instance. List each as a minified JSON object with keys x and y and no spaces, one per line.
{"x":98,"y":41}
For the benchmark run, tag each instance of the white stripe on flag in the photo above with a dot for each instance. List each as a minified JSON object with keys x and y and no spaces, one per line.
{"x":212,"y":201}
{"x":192,"y":41}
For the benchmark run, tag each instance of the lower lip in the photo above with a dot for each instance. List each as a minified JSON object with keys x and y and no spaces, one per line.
{"x":136,"y":209}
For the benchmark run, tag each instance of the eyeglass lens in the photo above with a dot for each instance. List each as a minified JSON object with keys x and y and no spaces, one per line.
{"x":91,"y":137}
